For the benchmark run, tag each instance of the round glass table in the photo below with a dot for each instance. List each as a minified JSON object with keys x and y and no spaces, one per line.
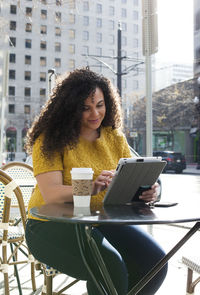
{"x":135,"y":213}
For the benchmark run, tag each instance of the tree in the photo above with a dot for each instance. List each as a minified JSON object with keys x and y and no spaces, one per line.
{"x":173,"y":108}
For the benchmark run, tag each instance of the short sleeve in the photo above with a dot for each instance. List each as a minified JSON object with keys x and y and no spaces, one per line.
{"x":41,"y":164}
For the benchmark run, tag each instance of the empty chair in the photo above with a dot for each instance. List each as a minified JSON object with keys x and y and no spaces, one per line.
{"x":11,"y":234}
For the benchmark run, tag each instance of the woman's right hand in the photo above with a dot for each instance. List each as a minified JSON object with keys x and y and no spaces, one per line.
{"x":102,"y":181}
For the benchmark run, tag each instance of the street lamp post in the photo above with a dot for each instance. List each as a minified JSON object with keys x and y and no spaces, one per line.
{"x":197,"y":104}
{"x":119,"y":59}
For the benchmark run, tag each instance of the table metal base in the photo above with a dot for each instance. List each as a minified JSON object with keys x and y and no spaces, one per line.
{"x":108,"y":288}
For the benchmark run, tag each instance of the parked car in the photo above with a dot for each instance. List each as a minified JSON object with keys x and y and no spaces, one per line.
{"x":175,"y":160}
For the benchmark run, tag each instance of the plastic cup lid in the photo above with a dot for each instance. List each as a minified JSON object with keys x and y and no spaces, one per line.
{"x":81,"y":170}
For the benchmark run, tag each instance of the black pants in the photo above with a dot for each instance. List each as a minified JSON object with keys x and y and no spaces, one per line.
{"x":128,"y":251}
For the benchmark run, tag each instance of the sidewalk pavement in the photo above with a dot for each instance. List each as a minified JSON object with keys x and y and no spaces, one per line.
{"x":191,"y":169}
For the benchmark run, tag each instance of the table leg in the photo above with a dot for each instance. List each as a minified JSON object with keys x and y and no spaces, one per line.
{"x":163,"y":261}
{"x":98,"y":260}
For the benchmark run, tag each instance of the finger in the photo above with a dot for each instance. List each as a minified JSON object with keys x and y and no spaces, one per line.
{"x":149,"y":192}
{"x":107,"y":173}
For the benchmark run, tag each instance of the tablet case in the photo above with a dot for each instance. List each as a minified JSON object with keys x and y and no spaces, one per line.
{"x":132,"y":174}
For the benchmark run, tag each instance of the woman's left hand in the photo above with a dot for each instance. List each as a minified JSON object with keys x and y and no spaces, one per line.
{"x":150,"y":195}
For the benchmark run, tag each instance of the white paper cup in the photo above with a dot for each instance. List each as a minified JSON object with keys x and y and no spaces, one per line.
{"x":82,"y":186}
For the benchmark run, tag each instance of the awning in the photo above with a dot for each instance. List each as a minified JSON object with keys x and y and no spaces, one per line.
{"x":11,"y":129}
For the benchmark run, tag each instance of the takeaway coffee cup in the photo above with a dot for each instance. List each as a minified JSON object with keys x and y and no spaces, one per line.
{"x":82,"y":186}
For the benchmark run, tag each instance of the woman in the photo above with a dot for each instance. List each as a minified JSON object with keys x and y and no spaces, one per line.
{"x":80,"y":127}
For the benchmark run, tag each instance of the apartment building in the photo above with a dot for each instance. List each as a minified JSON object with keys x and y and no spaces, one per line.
{"x":39,"y":35}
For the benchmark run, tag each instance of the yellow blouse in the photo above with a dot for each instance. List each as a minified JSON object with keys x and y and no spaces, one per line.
{"x":101,"y":154}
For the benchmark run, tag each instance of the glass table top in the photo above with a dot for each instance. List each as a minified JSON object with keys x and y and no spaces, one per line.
{"x":135,"y":213}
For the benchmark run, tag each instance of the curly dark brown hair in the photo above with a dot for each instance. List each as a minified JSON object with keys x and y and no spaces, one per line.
{"x":60,"y":119}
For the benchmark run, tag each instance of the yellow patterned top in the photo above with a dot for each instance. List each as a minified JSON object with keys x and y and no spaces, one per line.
{"x":101,"y":154}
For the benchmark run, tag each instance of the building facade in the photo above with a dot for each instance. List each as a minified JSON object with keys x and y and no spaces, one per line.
{"x":38,"y":35}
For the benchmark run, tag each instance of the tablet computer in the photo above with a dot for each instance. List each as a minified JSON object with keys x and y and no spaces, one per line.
{"x":132,"y":176}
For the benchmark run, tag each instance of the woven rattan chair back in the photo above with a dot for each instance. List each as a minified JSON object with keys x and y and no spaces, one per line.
{"x":10,"y":234}
{"x":22,"y":173}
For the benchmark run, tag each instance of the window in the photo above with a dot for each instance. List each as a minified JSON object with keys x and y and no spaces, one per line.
{"x":43,"y":61}
{"x":72,"y":64}
{"x":85,"y":35}
{"x":27,"y":59}
{"x":85,"y":50}
{"x":124,"y":27}
{"x":13,"y":25}
{"x":72,"y":34}
{"x":111,"y":10}
{"x":57,"y":62}
{"x":123,"y":12}
{"x":44,"y":1}
{"x":124,"y":1}
{"x":135,"y":15}
{"x":28,"y":43}
{"x":28,"y":27}
{"x":99,"y":8}
{"x":111,"y":39}
{"x":124,"y":84}
{"x":43,"y":45}
{"x":57,"y":31}
{"x":99,"y":37}
{"x":85,"y":5}
{"x":11,"y":108}
{"x":135,"y":28}
{"x":13,"y":9}
{"x":71,"y":48}
{"x":27,"y":109}
{"x":86,"y":20}
{"x":135,"y":2}
{"x":99,"y":51}
{"x":98,"y":67}
{"x":57,"y":46}
{"x":27,"y":91}
{"x":12,"y":58}
{"x":99,"y":22}
{"x":11,"y":90}
{"x":42,"y":92}
{"x":27,"y":75}
{"x":135,"y":84}
{"x":111,"y":25}
{"x":124,"y":41}
{"x":12,"y":41}
{"x":135,"y":43}
{"x":124,"y":53}
{"x":43,"y":29}
{"x":58,"y":17}
{"x":71,"y":4}
{"x":28,"y":11}
{"x":43,"y":14}
{"x":42,"y":76}
{"x":72,"y":18}
{"x":12,"y":74}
